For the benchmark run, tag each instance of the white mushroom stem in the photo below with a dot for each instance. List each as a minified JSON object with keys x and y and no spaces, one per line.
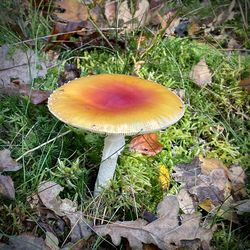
{"x":113,"y":145}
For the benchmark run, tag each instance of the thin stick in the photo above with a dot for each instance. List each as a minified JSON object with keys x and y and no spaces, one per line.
{"x":43,"y":144}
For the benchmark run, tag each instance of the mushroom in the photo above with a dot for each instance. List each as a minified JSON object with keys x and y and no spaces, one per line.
{"x":116,"y":105}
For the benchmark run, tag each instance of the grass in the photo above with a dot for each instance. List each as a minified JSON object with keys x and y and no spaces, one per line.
{"x":215,"y":125}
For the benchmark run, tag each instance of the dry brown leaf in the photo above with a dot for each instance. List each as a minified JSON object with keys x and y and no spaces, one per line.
{"x":141,"y":14}
{"x":146,"y":144}
{"x":245,"y":84}
{"x":7,"y":164}
{"x":207,"y":180}
{"x":17,"y":88}
{"x":79,"y":225}
{"x":242,"y":206}
{"x":22,"y":65}
{"x":48,"y":192}
{"x":110,"y":9}
{"x":27,"y":241}
{"x":123,"y":13}
{"x":169,"y":231}
{"x":74,"y":11}
{"x":238,"y":178}
{"x":186,"y":202}
{"x":209,"y":164}
{"x":200,"y":74}
{"x":130,"y":21}
{"x":7,"y":190}
{"x":51,"y":241}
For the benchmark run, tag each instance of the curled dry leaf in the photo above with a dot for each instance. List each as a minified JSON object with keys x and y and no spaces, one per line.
{"x":7,"y":163}
{"x":7,"y":190}
{"x":146,"y":144}
{"x":169,"y":231}
{"x":200,"y":74}
{"x":48,"y":193}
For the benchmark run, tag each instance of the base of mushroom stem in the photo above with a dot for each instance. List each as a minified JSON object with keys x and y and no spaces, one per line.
{"x":113,"y":145}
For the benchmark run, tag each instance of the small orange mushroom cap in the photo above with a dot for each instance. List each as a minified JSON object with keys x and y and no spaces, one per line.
{"x":116,"y":104}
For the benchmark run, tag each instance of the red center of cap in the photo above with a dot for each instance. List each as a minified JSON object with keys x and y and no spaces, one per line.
{"x":117,"y":97}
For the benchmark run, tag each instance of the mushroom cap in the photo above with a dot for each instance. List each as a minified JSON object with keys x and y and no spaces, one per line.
{"x":116,"y":104}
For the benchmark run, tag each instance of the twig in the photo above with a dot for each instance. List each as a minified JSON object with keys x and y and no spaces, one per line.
{"x":43,"y":144}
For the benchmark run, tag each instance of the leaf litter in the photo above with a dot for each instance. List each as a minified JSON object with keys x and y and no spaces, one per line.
{"x":7,"y":164}
{"x":170,"y":231}
{"x":211,"y":185}
{"x":48,"y":193}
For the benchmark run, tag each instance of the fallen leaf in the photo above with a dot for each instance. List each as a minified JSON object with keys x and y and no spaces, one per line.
{"x":51,"y":241}
{"x":207,"y":181}
{"x":17,"y":88}
{"x":48,"y":192}
{"x":7,"y":190}
{"x":141,"y":14}
{"x":110,"y":9}
{"x":22,"y":65}
{"x":209,"y":164}
{"x":242,"y":206}
{"x":123,"y":14}
{"x":170,"y":30}
{"x":164,"y":177}
{"x":146,"y":144}
{"x":186,"y":202}
{"x":200,"y":74}
{"x":26,"y":241}
{"x":7,"y":164}
{"x":169,"y":231}
{"x":74,"y":11}
{"x":245,"y":84}
{"x":238,"y":178}
{"x":80,"y":226}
